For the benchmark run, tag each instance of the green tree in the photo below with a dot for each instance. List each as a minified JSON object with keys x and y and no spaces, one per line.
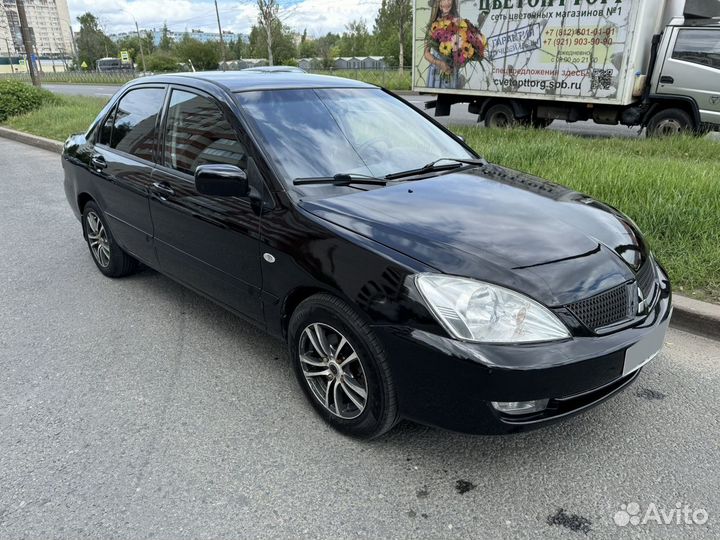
{"x":327,"y":49}
{"x":393,"y":32}
{"x":204,"y":56}
{"x":131,"y":44}
{"x":355,"y":41}
{"x":268,"y":21}
{"x":92,"y":42}
{"x":237,"y":49}
{"x":308,"y":47}
{"x":166,"y":42}
{"x":283,"y":43}
{"x":162,"y":61}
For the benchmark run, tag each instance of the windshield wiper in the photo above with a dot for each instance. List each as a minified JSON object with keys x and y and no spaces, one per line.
{"x":433,"y":166}
{"x":340,"y":180}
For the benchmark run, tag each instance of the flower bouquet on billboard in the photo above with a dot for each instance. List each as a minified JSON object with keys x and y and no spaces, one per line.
{"x":451,"y":43}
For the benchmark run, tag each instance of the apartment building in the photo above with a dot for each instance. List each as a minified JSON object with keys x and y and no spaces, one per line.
{"x":49,"y":21}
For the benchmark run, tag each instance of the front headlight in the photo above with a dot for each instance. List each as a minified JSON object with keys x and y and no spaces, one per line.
{"x":476,"y":311}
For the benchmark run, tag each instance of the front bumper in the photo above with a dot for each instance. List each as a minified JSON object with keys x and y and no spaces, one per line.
{"x":450,"y":384}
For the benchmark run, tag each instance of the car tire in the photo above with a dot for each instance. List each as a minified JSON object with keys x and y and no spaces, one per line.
{"x":669,"y":122}
{"x":108,"y":256}
{"x":337,"y":393}
{"x":500,"y":116}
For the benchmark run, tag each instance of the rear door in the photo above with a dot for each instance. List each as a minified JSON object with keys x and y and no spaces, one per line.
{"x":122,"y":161}
{"x":693,"y":69}
{"x":208,"y":243}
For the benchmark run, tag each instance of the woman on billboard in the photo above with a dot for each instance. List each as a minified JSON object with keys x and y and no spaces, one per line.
{"x":450,"y":44}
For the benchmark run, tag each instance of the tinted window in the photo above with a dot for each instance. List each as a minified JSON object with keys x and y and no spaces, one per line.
{"x":699,"y":47}
{"x":105,"y":130}
{"x":135,"y":119}
{"x":313,"y":133}
{"x":198,"y":134}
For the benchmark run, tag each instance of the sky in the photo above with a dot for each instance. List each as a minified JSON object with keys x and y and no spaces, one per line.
{"x":318,"y":16}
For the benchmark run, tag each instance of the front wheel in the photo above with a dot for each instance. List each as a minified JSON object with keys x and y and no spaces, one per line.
{"x":342,"y":368}
{"x":668,"y":123}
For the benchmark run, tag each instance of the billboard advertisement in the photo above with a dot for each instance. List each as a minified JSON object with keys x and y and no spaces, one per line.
{"x":573,"y":48}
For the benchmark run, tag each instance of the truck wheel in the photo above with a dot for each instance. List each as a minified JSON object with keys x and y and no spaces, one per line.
{"x":500,"y":116}
{"x":669,"y":122}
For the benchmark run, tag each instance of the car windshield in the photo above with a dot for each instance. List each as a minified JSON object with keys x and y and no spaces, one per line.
{"x":312,"y":133}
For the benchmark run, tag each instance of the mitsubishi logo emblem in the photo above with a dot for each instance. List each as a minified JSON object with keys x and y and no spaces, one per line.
{"x":642,"y":302}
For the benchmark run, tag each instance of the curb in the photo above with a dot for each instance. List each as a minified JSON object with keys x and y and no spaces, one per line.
{"x":694,"y":316}
{"x":33,"y":140}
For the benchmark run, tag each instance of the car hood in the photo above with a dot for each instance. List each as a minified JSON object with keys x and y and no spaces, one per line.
{"x":500,"y":226}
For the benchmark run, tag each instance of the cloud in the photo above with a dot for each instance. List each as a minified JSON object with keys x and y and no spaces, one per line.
{"x":318,"y":16}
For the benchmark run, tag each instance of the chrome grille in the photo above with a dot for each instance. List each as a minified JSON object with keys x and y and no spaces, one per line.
{"x":605,"y":309}
{"x":646,"y":278}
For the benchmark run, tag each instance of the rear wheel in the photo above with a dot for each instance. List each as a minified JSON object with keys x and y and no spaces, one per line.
{"x":669,"y":122}
{"x":500,"y":116}
{"x":341,"y":366}
{"x":110,"y":259}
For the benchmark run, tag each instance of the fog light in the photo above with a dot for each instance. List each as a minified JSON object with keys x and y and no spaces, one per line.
{"x":520,"y":407}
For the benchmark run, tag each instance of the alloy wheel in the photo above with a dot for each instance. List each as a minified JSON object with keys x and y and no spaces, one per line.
{"x":333,"y":371}
{"x":98,"y":240}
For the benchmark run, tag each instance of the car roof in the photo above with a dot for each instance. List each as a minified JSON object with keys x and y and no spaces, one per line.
{"x":274,"y":69}
{"x":241,"y":81}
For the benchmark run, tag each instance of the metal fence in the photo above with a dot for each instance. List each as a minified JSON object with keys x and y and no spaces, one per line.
{"x":391,"y":78}
{"x":74,"y":77}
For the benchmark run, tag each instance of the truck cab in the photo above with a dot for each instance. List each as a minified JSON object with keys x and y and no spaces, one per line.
{"x":685,"y":83}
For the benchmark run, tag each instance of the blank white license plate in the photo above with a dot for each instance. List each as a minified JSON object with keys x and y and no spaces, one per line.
{"x":646,"y":349}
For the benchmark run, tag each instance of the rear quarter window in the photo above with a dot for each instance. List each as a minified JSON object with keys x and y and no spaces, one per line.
{"x":134,"y":129}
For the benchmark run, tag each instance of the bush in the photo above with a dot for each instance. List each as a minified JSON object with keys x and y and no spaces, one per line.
{"x":160,"y":62}
{"x":17,"y":97}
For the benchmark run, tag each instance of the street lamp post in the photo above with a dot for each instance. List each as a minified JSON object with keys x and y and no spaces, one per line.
{"x":137,"y":31}
{"x":142,"y":54}
{"x":27,"y":42}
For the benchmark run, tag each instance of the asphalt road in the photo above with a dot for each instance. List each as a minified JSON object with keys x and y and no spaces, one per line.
{"x":83,"y":90}
{"x":133,"y":408}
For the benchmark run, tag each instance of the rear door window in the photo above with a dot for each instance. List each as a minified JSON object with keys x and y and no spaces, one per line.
{"x":134,"y":130}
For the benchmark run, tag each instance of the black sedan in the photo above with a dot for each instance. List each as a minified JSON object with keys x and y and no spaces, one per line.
{"x":409,"y":277}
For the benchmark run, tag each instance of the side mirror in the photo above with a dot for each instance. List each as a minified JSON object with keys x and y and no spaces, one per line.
{"x":221,"y":181}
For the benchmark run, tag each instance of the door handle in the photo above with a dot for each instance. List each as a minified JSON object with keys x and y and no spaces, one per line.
{"x":666,"y":79}
{"x":163,"y":188}
{"x":98,"y":162}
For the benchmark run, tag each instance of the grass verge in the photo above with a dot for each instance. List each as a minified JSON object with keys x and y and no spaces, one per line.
{"x":59,"y":117}
{"x":669,"y":187}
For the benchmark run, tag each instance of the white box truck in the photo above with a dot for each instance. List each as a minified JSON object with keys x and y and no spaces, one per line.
{"x":631,"y":62}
